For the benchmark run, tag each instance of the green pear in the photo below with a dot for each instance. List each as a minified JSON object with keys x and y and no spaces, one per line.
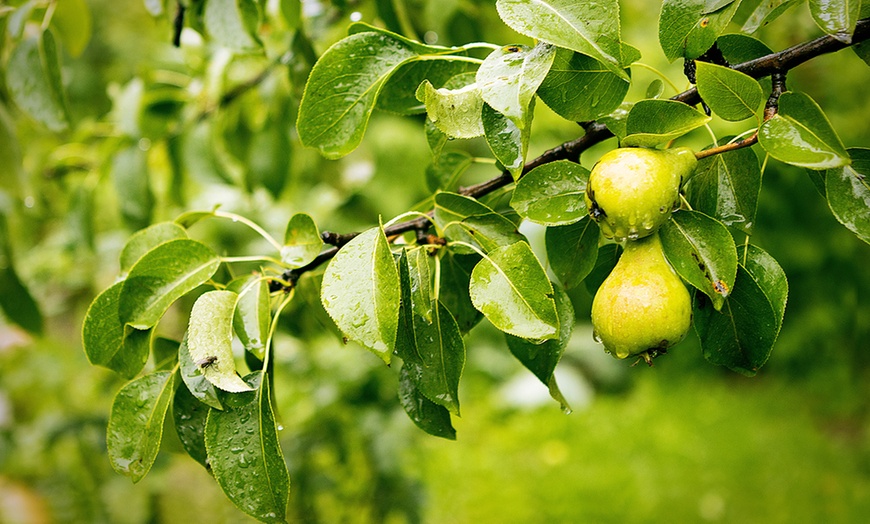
{"x":633,"y":190}
{"x":642,"y":308}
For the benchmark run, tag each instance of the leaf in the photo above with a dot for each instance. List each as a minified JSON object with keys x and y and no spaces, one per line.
{"x":165,"y":351}
{"x":427,"y":415}
{"x":801,"y":135}
{"x":766,"y":12}
{"x":616,"y":121}
{"x":191,"y":374}
{"x":433,"y":351}
{"x":464,"y":219}
{"x":361,"y":292}
{"x":738,"y":48}
{"x":580,"y":88}
{"x":136,"y":423}
{"x":726,"y":187}
{"x":590,"y":28}
{"x":233,"y":23}
{"x":511,"y":289}
{"x":162,"y":276}
{"x":654,"y":122}
{"x":210,"y":339}
{"x":302,"y":242}
{"x":107,"y":342}
{"x":456,"y":112}
{"x":189,"y":416}
{"x":444,"y":172}
{"x":421,"y":296}
{"x":130,"y":177}
{"x":848,"y":193}
{"x":15,"y":299}
{"x":608,"y":255}
{"x":541,"y":359}
{"x":147,"y":239}
{"x":245,"y":454}
{"x":552,"y":194}
{"x":742,"y":335}
{"x":702,"y":251}
{"x":455,"y":278}
{"x":508,"y":142}
{"x":342,"y":89}
{"x":836,"y":17}
{"x":34,"y":81}
{"x":399,"y":92}
{"x":730,"y":94}
{"x":72,"y":20}
{"x":435,"y":138}
{"x":253,"y":314}
{"x":688,"y":28}
{"x":509,"y":77}
{"x":572,"y":251}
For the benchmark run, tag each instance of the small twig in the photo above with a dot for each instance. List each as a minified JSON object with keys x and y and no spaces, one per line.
{"x":178,"y":24}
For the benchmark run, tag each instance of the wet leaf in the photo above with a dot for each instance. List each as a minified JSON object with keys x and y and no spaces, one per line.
{"x":654,"y":122}
{"x":253,"y":313}
{"x":801,"y":135}
{"x":836,"y":17}
{"x":302,"y":242}
{"x":136,"y":423}
{"x":509,"y":77}
{"x":147,"y":239}
{"x":730,"y":94}
{"x":162,"y":276}
{"x":456,"y":112}
{"x":189,"y":416}
{"x":210,"y":339}
{"x":580,"y":88}
{"x":444,"y":171}
{"x":687,"y":28}
{"x":726,"y":187}
{"x":552,"y":194}
{"x":512,"y":290}
{"x":508,"y":142}
{"x":455,"y":278}
{"x":245,"y":454}
{"x":702,"y":252}
{"x":191,"y":374}
{"x":107,"y":342}
{"x":572,"y":251}
{"x":766,"y":12}
{"x":848,"y":193}
{"x":464,"y":219}
{"x":427,"y":415}
{"x":361,"y":292}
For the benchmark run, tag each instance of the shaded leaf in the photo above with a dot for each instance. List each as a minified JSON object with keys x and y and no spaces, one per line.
{"x":361,"y":292}
{"x":107,"y":342}
{"x":511,"y":289}
{"x":687,"y":28}
{"x":191,"y":374}
{"x":189,"y":416}
{"x":702,"y":252}
{"x":210,"y":339}
{"x":455,"y":278}
{"x":131,"y":180}
{"x":580,"y":88}
{"x":616,"y":121}
{"x":848,"y":193}
{"x":730,"y":94}
{"x":572,"y":251}
{"x":507,"y":141}
{"x":16,"y":301}
{"x":302,"y":242}
{"x":608,"y":256}
{"x":444,"y":171}
{"x":253,"y":314}
{"x":33,"y":78}
{"x":147,"y":239}
{"x":552,"y":194}
{"x":726,"y":187}
{"x":427,"y":415}
{"x":509,"y":77}
{"x":654,"y":122}
{"x":136,"y":423}
{"x":801,"y":135}
{"x":399,"y":92}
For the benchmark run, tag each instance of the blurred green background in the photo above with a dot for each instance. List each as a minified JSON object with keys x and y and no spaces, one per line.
{"x":681,"y":442}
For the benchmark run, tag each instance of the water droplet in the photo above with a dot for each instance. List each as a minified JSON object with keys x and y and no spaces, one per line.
{"x":597,"y":337}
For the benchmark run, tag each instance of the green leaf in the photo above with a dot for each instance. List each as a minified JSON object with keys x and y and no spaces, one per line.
{"x":444,"y":172}
{"x":508,"y":142}
{"x":136,"y":423}
{"x":726,"y":187}
{"x":107,"y":342}
{"x":730,"y":94}
{"x":165,"y":351}
{"x":34,"y":81}
{"x":702,"y":251}
{"x":191,"y":374}
{"x":688,"y":28}
{"x":72,"y":20}
{"x":654,"y":122}
{"x":302,"y":242}
{"x":456,"y":112}
{"x":162,"y":276}
{"x":580,"y":88}
{"x":15,"y":299}
{"x":361,"y":292}
{"x":189,"y":416}
{"x":766,"y":12}
{"x":455,"y":278}
{"x":801,"y":135}
{"x":738,"y":48}
{"x":742,"y":335}
{"x":399,"y":93}
{"x":147,"y":239}
{"x":233,"y":23}
{"x":541,"y":359}
{"x":616,"y":121}
{"x":848,"y":193}
{"x":245,"y":454}
{"x":210,"y":339}
{"x":552,"y":194}
{"x":509,"y":77}
{"x":342,"y":89}
{"x":608,"y":256}
{"x":433,"y":350}
{"x":130,"y":177}
{"x":435,"y":138}
{"x":836,"y":17}
{"x":572,"y":251}
{"x":590,"y":28}
{"x":253,"y":314}
{"x":427,"y":415}
{"x":464,"y":219}
{"x":421,"y":296}
{"x":511,"y":289}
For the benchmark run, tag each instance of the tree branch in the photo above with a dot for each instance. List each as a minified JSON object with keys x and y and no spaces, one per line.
{"x":774,"y":63}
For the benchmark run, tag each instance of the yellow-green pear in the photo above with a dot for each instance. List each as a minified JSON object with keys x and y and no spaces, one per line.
{"x":633,"y":190}
{"x":642,"y":308}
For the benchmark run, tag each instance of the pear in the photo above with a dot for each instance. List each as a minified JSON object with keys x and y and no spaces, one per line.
{"x":633,"y":190}
{"x":642,"y":308}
